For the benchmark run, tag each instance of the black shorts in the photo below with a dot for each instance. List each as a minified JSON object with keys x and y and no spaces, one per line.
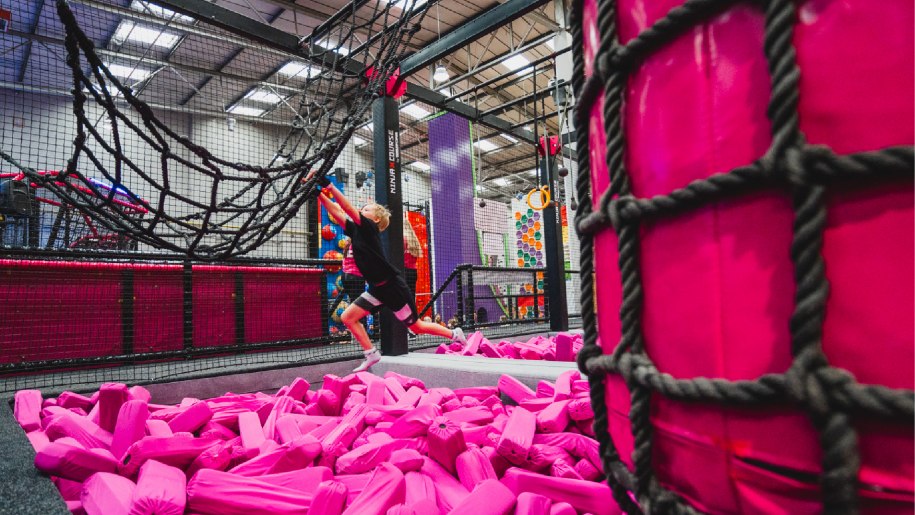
{"x":394,"y":295}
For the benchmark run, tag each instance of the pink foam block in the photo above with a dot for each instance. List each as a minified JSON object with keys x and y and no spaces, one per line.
{"x":138,"y":393}
{"x":287,"y":429}
{"x":578,"y":445}
{"x":514,"y":389}
{"x":414,"y":422}
{"x":374,"y":393}
{"x":508,"y":350}
{"x":425,"y":507}
{"x":473,"y":344}
{"x":88,"y":434}
{"x":473,"y":467}
{"x":562,"y":468}
{"x":499,"y":463}
{"x":69,"y":490}
{"x":251,"y":432}
{"x":446,"y":442}
{"x":394,"y":388}
{"x":282,"y":406}
{"x":554,"y":418}
{"x":27,"y":409}
{"x":39,"y":439}
{"x":298,"y":453}
{"x":580,"y":386}
{"x":418,"y":487}
{"x":366,"y":457}
{"x":192,"y":418}
{"x":304,"y":480}
{"x":531,"y":353}
{"x":478,"y":392}
{"x":216,"y":457}
{"x":451,"y":405}
{"x":490,"y":497}
{"x":407,"y":460}
{"x":442,"y":349}
{"x":131,"y":426}
{"x":545,"y":389}
{"x":584,"y":496}
{"x":470,"y":402}
{"x":405,"y":381}
{"x":586,"y":470}
{"x":399,"y":509}
{"x":455,"y":347}
{"x":562,"y":508}
{"x":329,"y":499}
{"x":107,"y":494}
{"x":386,"y":488}
{"x":586,"y":427}
{"x":536,"y":404}
{"x":161,"y":490}
{"x":298,"y":389}
{"x":328,"y":402}
{"x":564,"y":384}
{"x":111,"y":396}
{"x":446,"y":394}
{"x":216,"y":431}
{"x":354,"y":399}
{"x":580,"y":409}
{"x":74,"y":400}
{"x":563,"y":343}
{"x":342,"y":436}
{"x":491,"y":350}
{"x":475,"y":415}
{"x":215,"y":492}
{"x":411,"y":397}
{"x":449,"y":491}
{"x":158,"y":428}
{"x":530,"y":503}
{"x":518,"y":435}
{"x":479,"y":435}
{"x":178,"y":450}
{"x":72,"y":462}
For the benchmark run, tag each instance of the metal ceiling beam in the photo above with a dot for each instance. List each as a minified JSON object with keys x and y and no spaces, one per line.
{"x":540,"y":18}
{"x":468,"y":31}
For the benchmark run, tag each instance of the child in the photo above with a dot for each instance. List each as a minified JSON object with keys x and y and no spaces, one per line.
{"x":386,"y":285}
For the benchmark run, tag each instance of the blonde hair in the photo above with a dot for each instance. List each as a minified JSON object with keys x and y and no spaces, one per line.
{"x":412,"y":242}
{"x":384,"y":216}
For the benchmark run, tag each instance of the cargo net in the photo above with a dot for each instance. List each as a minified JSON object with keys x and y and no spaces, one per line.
{"x":830,"y":396}
{"x":351,"y":59}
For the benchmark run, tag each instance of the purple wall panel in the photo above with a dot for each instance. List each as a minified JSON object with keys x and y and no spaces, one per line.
{"x":454,"y":237}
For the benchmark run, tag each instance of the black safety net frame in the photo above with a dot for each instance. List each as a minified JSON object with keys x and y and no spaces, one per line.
{"x":245,"y":204}
{"x":830,"y":396}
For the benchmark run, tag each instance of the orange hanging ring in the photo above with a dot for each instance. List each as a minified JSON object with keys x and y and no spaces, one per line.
{"x":543,"y":196}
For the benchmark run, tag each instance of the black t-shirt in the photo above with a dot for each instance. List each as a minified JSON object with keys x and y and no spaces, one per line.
{"x":367,"y":252}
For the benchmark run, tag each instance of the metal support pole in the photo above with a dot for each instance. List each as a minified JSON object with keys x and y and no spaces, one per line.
{"x":389,"y":192}
{"x":552,"y":234}
{"x":460,"y":297}
{"x":188,"y":305}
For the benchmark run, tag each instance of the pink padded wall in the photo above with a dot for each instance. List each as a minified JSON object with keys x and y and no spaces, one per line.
{"x":718,"y":281}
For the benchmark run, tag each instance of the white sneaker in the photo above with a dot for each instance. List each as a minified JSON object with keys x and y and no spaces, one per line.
{"x":457,"y":335}
{"x":371,"y":357}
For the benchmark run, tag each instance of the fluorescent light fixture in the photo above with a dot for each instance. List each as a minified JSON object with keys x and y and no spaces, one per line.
{"x":501,"y":181}
{"x":419,"y":165}
{"x":517,"y":63}
{"x":510,"y":138}
{"x":294,"y":69}
{"x":441,"y":73}
{"x":446,"y":92}
{"x":359,"y":141}
{"x":414,"y":111}
{"x":531,"y":172}
{"x":130,"y":32}
{"x":263,"y":95}
{"x":246,"y":111}
{"x":129,"y":72}
{"x":408,"y":3}
{"x":331,"y":45}
{"x":161,"y":12}
{"x":485,"y":145}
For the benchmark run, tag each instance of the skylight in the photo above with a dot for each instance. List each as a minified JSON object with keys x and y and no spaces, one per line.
{"x":510,"y":138}
{"x":294,"y":69}
{"x":517,"y":63}
{"x":161,"y":12}
{"x":331,"y":45}
{"x":129,"y":72}
{"x":263,"y":95}
{"x":408,"y":3}
{"x":130,"y":32}
{"x":421,"y":166}
{"x":485,"y":145}
{"x":501,"y":181}
{"x":246,"y":111}
{"x":414,"y":111}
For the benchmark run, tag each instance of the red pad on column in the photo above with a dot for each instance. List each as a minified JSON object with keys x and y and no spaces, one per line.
{"x":161,"y":490}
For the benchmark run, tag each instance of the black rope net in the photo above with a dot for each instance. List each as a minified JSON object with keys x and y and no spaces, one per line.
{"x":235,"y":207}
{"x":830,"y":396}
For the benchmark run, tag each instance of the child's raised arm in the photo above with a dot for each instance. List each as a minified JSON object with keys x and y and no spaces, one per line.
{"x":334,"y":211}
{"x":344,"y":203}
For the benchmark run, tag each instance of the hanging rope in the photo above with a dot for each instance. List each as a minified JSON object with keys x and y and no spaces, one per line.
{"x":829,"y":395}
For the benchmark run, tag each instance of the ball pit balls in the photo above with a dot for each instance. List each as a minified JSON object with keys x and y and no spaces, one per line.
{"x":328,"y":232}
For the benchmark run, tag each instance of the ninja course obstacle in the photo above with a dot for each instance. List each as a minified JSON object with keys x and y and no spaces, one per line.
{"x":171,"y":337}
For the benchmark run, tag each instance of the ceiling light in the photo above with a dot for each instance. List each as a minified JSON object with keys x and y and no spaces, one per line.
{"x":441,"y":73}
{"x":415,"y":4}
{"x":501,"y":181}
{"x":531,"y":172}
{"x":129,"y":72}
{"x":263,"y":95}
{"x":294,"y":69}
{"x":509,"y":138}
{"x":446,"y":92}
{"x":246,"y":111}
{"x":486,"y":145}
{"x":517,"y":63}
{"x":130,"y":32}
{"x":161,"y":12}
{"x":330,"y":45}
{"x":419,"y":165}
{"x":414,"y":111}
